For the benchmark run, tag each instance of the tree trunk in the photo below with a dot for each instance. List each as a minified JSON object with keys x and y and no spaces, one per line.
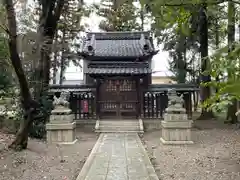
{"x":21,"y":139}
{"x":142,"y":17}
{"x":232,"y":109}
{"x":195,"y":101}
{"x":48,"y":24}
{"x":62,"y":69}
{"x":55,"y":67}
{"x":55,"y":61}
{"x":217,"y":46}
{"x":203,"y":30}
{"x":62,"y":62}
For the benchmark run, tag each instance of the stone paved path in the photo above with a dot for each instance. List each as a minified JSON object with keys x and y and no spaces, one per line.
{"x":118,"y":156}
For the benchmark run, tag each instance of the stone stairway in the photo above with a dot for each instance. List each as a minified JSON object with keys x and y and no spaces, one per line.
{"x":111,"y":126}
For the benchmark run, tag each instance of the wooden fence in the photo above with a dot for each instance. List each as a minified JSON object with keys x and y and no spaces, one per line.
{"x":154,"y":100}
{"x":82,"y":100}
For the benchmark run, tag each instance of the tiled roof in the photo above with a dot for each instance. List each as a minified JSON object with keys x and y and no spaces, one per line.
{"x":118,"y":44}
{"x":118,"y":35}
{"x":117,"y":68}
{"x":71,"y":88}
{"x":73,"y":82}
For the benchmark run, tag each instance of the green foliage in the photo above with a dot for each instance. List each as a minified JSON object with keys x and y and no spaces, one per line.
{"x":224,"y":63}
{"x":118,"y":15}
{"x":176,"y":27}
{"x":67,"y":39}
{"x":13,"y":114}
{"x":38,"y":129}
{"x":6,"y":77}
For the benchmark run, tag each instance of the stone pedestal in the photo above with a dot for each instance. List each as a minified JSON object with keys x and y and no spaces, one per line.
{"x":176,"y":128}
{"x":61,"y":129}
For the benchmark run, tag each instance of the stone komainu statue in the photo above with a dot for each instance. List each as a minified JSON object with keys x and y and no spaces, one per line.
{"x":62,"y":100}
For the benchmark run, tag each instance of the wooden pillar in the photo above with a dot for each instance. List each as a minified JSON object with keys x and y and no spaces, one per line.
{"x":138,"y":97}
{"x":190,"y":105}
{"x":97,"y":98}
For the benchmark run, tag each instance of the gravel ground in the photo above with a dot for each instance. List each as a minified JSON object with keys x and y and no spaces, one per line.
{"x":45,"y":162}
{"x":214,"y":156}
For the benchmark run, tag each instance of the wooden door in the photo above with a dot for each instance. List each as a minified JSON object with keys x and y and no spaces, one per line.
{"x":118,"y":98}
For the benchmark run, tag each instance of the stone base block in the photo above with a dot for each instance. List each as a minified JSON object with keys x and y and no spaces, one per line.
{"x":177,"y":124}
{"x":176,"y":132}
{"x":175,"y":117}
{"x":175,"y":142}
{"x":61,"y":118}
{"x":176,"y":136}
{"x":61,"y":110}
{"x":61,"y":133}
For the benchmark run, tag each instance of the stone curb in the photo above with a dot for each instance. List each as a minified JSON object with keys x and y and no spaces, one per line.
{"x":85,"y":169}
{"x":97,"y":125}
{"x":141,"y":125}
{"x":150,"y":169}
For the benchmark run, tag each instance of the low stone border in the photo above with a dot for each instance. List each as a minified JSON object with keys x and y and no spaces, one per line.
{"x":83,"y":173}
{"x":150,"y":169}
{"x":141,"y":126}
{"x":97,"y":125}
{"x":152,"y":124}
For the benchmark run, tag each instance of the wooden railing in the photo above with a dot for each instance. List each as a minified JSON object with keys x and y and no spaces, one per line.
{"x":82,"y":99}
{"x":155,"y":99}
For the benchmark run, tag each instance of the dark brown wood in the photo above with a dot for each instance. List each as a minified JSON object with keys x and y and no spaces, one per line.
{"x":139,"y":98}
{"x":118,"y":98}
{"x":109,"y":100}
{"x":83,"y":105}
{"x":97,"y":98}
{"x":155,"y":103}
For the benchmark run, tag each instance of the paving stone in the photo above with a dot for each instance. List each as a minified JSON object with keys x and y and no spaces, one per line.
{"x":119,"y":156}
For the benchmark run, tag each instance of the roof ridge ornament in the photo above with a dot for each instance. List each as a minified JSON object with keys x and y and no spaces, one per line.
{"x":91,"y":46}
{"x":144,"y":44}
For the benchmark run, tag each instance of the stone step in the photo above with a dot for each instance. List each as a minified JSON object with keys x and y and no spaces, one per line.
{"x":117,"y":131}
{"x":118,"y":126}
{"x":119,"y":120}
{"x":118,"y":123}
{"x":121,"y":128}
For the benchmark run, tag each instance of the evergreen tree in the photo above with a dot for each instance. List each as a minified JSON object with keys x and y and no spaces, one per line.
{"x":118,"y":15}
{"x":66,"y":42}
{"x":6,"y":78}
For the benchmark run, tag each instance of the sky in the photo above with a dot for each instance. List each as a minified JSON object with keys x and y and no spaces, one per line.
{"x":160,"y":60}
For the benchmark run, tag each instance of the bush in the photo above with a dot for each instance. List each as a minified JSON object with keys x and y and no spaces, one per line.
{"x":38,"y":128}
{"x":10,"y":118}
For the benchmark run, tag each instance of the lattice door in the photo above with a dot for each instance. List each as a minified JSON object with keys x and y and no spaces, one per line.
{"x":118,"y":98}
